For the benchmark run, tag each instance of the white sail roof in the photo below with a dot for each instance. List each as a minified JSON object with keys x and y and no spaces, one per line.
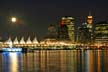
{"x":15,"y":41}
{"x":28,"y":41}
{"x":35,"y":41}
{"x":8,"y":41}
{"x":22,"y":41}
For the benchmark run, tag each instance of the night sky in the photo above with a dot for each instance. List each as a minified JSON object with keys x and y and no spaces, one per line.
{"x":34,"y":16}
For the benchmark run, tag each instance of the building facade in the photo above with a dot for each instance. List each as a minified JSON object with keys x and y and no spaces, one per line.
{"x":83,"y":34}
{"x":90,"y":27}
{"x":66,"y":29}
{"x":101,"y":32}
{"x":52,"y":32}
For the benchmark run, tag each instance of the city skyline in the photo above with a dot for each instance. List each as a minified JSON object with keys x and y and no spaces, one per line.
{"x":36,"y":16}
{"x":26,"y":33}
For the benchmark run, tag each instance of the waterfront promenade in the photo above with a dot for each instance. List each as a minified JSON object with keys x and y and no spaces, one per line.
{"x":55,"y":46}
{"x":49,"y":44}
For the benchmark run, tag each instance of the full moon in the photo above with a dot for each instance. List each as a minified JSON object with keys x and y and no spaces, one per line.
{"x":13,"y":19}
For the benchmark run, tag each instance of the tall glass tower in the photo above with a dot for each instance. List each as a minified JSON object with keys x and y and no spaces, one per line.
{"x":90,"y":26}
{"x":67,"y":28}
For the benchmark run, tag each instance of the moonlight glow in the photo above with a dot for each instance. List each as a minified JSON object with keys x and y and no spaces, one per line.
{"x":13,"y":19}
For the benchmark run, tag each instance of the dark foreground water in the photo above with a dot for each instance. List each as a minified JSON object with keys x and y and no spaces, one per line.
{"x":55,"y":61}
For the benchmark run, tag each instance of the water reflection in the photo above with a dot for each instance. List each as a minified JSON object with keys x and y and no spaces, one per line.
{"x":89,"y":61}
{"x":98,"y":62}
{"x":11,"y":61}
{"x":55,"y":61}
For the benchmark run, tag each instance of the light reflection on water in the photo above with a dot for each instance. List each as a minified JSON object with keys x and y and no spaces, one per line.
{"x":11,"y":61}
{"x":14,"y":62}
{"x":55,"y":61}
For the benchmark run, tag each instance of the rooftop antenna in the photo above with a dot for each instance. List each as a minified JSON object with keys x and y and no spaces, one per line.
{"x":89,"y":13}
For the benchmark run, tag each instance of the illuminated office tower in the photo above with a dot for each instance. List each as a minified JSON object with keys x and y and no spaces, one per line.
{"x":67,"y":21}
{"x":66,"y":30}
{"x":90,"y":19}
{"x":52,"y":32}
{"x":90,"y":22}
{"x":63,"y":33}
{"x":101,"y":32}
{"x":90,"y":26}
{"x":83,"y":33}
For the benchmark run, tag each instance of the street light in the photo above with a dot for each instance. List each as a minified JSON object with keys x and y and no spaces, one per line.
{"x":13,"y":19}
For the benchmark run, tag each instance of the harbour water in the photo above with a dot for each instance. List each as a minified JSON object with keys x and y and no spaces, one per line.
{"x":55,"y":61}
